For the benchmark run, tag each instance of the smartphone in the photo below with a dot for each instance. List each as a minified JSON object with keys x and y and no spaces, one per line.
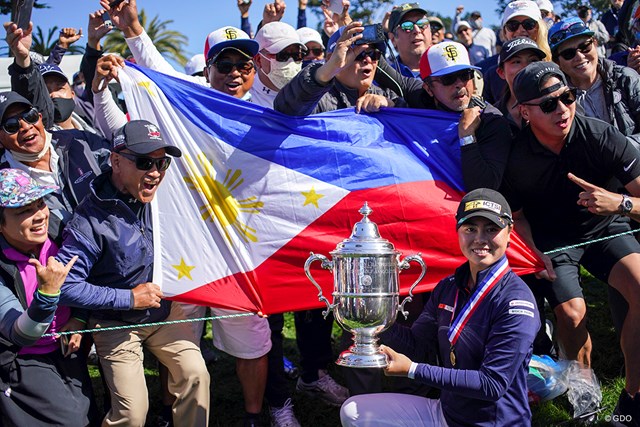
{"x":23,"y":13}
{"x":64,"y":344}
{"x":114,"y":3}
{"x":336,"y":6}
{"x":372,"y":34}
{"x":107,"y":20}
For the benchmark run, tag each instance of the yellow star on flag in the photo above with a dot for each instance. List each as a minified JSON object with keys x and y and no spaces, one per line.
{"x":311,"y":197}
{"x":184,"y":270}
{"x":147,"y":86}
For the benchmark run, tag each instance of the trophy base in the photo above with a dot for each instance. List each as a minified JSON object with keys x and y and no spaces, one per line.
{"x":353,"y":360}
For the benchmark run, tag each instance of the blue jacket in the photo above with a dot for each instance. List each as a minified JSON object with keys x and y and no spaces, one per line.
{"x":487,"y":387}
{"x":115,"y":254}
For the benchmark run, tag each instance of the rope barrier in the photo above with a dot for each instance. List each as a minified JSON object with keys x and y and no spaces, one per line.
{"x":228,"y":316}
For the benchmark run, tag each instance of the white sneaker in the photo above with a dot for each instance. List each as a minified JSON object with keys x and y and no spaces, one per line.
{"x":325,"y":388}
{"x":284,"y":416}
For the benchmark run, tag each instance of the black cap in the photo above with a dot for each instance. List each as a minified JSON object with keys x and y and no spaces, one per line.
{"x":485,"y":203}
{"x":142,"y":137}
{"x":526,"y":85}
{"x":398,"y":12}
{"x":475,"y":14}
{"x":7,"y":99}
{"x":519,"y":44}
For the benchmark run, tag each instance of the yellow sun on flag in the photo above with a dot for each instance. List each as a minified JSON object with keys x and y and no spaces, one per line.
{"x":221,"y":205}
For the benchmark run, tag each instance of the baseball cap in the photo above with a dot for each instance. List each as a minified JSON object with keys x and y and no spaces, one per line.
{"x":142,"y":137}
{"x":7,"y":99}
{"x":485,"y":203}
{"x":51,"y":69}
{"x":195,"y":65}
{"x":435,"y":19}
{"x":398,"y":12}
{"x":274,"y":37}
{"x":526,"y":85}
{"x":462,"y":24}
{"x":333,"y":41}
{"x":521,"y":8}
{"x":519,"y":44}
{"x":475,"y":14}
{"x":567,"y":29}
{"x":545,"y":5}
{"x":18,"y":189}
{"x":444,"y":58}
{"x":229,"y":38}
{"x":307,"y":35}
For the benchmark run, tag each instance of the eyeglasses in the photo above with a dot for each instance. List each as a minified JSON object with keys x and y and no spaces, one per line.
{"x":374,"y":54}
{"x":284,"y":56}
{"x":449,"y":79}
{"x":527,"y":24}
{"x":145,"y":163}
{"x":583,"y":47}
{"x":435,"y":27}
{"x":12,"y":124}
{"x":316,"y":51}
{"x":463,"y":30}
{"x":561,"y":35}
{"x":549,"y":105}
{"x":408,"y":26}
{"x":225,"y":67}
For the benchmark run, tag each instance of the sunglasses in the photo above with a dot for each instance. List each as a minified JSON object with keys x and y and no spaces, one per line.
{"x":225,"y":67}
{"x":527,"y":24}
{"x":583,"y":47}
{"x":449,"y":79}
{"x":145,"y":163}
{"x":316,"y":51}
{"x":408,"y":26}
{"x":284,"y":56}
{"x":561,"y":35}
{"x":374,"y":54}
{"x":12,"y":124}
{"x":549,"y":105}
{"x":435,"y":27}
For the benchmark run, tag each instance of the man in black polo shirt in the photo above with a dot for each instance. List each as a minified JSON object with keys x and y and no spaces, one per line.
{"x":561,"y":184}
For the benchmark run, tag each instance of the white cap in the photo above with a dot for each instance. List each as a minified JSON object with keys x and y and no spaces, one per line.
{"x":274,"y":37}
{"x":229,"y":38}
{"x":444,"y":58}
{"x":462,"y":24}
{"x":521,"y":8}
{"x":545,"y":5}
{"x":195,"y":65}
{"x":307,"y":35}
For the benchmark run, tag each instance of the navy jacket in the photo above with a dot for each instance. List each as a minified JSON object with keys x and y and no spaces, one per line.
{"x":487,"y":387}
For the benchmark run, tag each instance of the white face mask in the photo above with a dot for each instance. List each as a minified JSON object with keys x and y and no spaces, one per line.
{"x":282,"y":72}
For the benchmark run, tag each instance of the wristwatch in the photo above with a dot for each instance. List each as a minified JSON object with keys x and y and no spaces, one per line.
{"x":466,"y":140}
{"x":626,"y":205}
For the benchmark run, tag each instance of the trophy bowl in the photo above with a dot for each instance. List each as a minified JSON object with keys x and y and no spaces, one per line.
{"x":366,"y":290}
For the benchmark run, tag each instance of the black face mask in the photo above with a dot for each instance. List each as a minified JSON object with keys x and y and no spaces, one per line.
{"x":62,"y":109}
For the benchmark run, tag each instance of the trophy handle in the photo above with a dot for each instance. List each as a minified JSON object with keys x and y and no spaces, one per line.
{"x":403,"y":265}
{"x":327,"y":265}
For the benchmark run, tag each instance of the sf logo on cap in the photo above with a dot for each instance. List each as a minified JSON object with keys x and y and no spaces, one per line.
{"x":231,"y":33}
{"x":452,"y":52}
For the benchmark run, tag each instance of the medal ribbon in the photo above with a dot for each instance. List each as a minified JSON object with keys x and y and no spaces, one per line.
{"x":479,"y":293}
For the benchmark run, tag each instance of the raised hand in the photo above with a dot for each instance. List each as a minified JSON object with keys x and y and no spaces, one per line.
{"x":97,"y":29}
{"x":52,"y":276}
{"x":68,"y":36}
{"x":244,"y":8}
{"x":19,"y":42}
{"x":124,"y":17}
{"x":273,"y":11}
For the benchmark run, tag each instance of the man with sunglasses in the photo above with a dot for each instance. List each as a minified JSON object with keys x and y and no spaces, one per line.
{"x":410,"y":34}
{"x":606,"y":91}
{"x":464,"y":34}
{"x":111,"y":233}
{"x":437,"y":29}
{"x":562,"y":182}
{"x":344,"y":80}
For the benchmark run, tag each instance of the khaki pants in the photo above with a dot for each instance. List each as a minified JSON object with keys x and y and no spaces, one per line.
{"x":121,"y":358}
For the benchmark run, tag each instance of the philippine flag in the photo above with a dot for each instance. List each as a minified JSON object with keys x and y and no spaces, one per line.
{"x":256,"y":191}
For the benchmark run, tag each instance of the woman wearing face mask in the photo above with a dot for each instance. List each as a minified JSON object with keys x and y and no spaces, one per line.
{"x":606,"y":91}
{"x":42,"y":382}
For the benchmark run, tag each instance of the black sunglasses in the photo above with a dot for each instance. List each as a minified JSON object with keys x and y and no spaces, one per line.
{"x":297,"y":56}
{"x":527,"y":24}
{"x":374,"y":54}
{"x":225,"y":67}
{"x":549,"y":105}
{"x":573,"y":29}
{"x":145,"y":163}
{"x":583,"y":47}
{"x":435,"y":27}
{"x":12,"y":124}
{"x":449,"y":79}
{"x":316,"y":51}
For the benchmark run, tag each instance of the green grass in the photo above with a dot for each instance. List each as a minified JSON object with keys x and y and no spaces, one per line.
{"x":227,"y":407}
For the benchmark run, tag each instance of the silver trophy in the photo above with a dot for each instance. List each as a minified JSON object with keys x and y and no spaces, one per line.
{"x":366,"y":291}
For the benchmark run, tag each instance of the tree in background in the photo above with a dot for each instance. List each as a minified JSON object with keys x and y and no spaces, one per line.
{"x":7,"y":7}
{"x":44,"y":44}
{"x":170,"y":43}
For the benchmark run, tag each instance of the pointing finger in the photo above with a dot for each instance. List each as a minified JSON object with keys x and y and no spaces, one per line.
{"x":582,"y":183}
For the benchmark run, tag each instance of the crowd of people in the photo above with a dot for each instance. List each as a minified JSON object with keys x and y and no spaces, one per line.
{"x":549,"y":134}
